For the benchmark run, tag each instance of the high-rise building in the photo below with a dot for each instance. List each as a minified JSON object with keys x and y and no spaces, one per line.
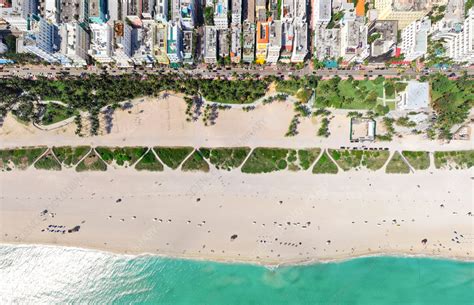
{"x":188,"y":46}
{"x":174,"y":43}
{"x":210,"y":44}
{"x":83,"y":41}
{"x":130,"y":38}
{"x":47,"y":38}
{"x":274,"y":45}
{"x":300,"y":48}
{"x":415,"y":39}
{"x":159,"y":41}
{"x":101,"y":42}
{"x":460,"y":46}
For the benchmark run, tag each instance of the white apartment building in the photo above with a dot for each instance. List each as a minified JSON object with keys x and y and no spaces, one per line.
{"x":275,"y":42}
{"x":300,"y":47}
{"x":174,"y":43}
{"x":210,"y":45}
{"x":353,"y":39}
{"x":101,"y":42}
{"x":69,"y":42}
{"x":460,"y":46}
{"x":415,"y":39}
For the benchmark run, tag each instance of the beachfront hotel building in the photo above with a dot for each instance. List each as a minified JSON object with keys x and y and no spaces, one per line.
{"x":460,"y":46}
{"x":415,"y":39}
{"x":274,"y":45}
{"x":159,"y":39}
{"x":130,"y":36}
{"x":83,"y":41}
{"x":47,"y":38}
{"x":188,"y":46}
{"x":174,"y":43}
{"x":223,"y":43}
{"x":101,"y":42}
{"x":210,"y":44}
{"x":300,"y":48}
{"x":404,"y":11}
{"x":287,"y":35}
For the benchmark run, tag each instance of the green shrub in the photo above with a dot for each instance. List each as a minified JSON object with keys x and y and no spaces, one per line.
{"x":173,"y":156}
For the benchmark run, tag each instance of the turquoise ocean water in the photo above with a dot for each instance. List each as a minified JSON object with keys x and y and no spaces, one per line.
{"x":52,"y":275}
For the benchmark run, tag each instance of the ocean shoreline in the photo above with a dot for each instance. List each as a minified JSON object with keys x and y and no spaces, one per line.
{"x":244,"y":262}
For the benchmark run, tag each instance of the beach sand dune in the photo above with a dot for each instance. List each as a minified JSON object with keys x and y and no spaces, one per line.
{"x":272,"y":219}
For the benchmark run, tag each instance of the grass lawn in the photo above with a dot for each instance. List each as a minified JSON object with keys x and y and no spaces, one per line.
{"x":349,"y":94}
{"x":225,"y":158}
{"x":149,"y":162}
{"x":306,"y":157}
{"x":91,"y":163}
{"x":397,"y":165}
{"x":458,"y":159}
{"x":374,"y":160}
{"x":22,"y":158}
{"x":195,"y":162}
{"x":56,"y":113}
{"x":419,"y":160}
{"x":121,"y":155}
{"x":48,"y":162}
{"x":173,"y":156}
{"x":69,"y":156}
{"x":265,"y":160}
{"x":347,"y":159}
{"x":325,"y":165}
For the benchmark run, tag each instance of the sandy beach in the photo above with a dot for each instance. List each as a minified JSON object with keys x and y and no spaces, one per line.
{"x":163,"y":122}
{"x":277,"y":218}
{"x":271,"y":219}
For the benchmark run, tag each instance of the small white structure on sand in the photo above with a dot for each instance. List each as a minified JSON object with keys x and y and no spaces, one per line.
{"x":362,"y":129}
{"x":415,"y":97}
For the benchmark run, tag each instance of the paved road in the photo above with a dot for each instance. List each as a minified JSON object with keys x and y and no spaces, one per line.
{"x":52,"y":71}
